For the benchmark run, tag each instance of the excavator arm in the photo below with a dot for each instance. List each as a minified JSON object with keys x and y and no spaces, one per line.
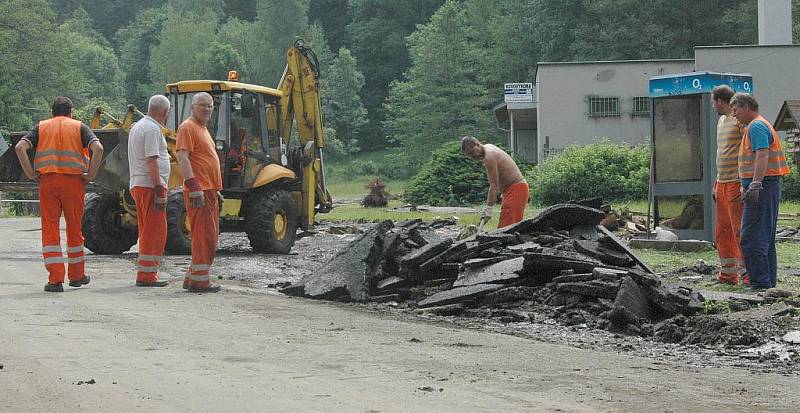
{"x":302,"y":104}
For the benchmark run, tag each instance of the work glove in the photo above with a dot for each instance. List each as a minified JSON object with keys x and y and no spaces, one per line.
{"x":486,"y":213}
{"x":160,"y":198}
{"x":196,"y":196}
{"x":753,"y":193}
{"x":220,"y":200}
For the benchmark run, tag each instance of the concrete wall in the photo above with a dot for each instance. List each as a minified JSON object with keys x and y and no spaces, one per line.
{"x":775,"y":70}
{"x":563,"y":88}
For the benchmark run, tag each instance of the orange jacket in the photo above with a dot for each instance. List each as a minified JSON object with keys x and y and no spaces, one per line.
{"x":60,"y":148}
{"x":776,"y":165}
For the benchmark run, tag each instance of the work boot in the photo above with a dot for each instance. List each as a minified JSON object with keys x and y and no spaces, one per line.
{"x":210,"y":288}
{"x":83,"y":281}
{"x":54,"y":288}
{"x":157,"y":283}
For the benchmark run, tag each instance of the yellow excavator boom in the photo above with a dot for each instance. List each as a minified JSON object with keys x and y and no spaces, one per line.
{"x":302,"y":104}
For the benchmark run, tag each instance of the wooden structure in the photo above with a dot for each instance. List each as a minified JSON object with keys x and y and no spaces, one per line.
{"x":788,"y":120}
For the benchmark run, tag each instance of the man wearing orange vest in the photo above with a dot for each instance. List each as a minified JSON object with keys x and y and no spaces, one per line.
{"x":727,"y":188}
{"x":202,"y":181}
{"x":62,"y":170}
{"x":761,"y":166}
{"x":148,"y":162}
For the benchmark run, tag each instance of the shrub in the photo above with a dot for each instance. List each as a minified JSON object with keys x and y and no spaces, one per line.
{"x":448,"y":179}
{"x":605,"y":169}
{"x":790,"y":188}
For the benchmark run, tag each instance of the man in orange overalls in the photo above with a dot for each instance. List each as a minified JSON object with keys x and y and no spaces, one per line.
{"x":504,"y":178}
{"x":62,"y":170}
{"x":148,"y":162}
{"x":727,"y":190}
{"x":202,"y":181}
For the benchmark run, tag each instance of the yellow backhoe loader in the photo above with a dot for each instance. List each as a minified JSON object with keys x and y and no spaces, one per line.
{"x":273,"y":185}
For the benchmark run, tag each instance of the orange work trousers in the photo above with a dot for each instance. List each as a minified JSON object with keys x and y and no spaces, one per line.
{"x":515,"y":199}
{"x":204,"y":224}
{"x":152,"y":233}
{"x":729,"y":223}
{"x":62,"y":194}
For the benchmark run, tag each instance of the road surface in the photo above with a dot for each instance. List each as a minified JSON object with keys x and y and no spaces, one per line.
{"x":166,"y":350}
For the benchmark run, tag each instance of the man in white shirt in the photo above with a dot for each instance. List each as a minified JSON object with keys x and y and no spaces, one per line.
{"x":148,"y":161}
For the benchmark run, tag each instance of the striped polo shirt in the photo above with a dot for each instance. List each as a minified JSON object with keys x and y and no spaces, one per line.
{"x":729,"y":137}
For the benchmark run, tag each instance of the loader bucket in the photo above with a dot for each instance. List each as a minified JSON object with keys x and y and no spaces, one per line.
{"x":114,"y":174}
{"x":112,"y":177}
{"x":12,"y":179}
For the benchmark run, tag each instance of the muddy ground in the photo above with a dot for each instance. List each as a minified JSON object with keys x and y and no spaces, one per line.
{"x":745,"y":340}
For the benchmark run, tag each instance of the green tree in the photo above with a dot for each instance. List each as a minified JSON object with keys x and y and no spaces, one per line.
{"x":28,"y":74}
{"x":342,"y":105}
{"x":441,"y":98}
{"x":241,"y":9}
{"x":278,"y":24}
{"x":106,"y":16}
{"x":44,"y":60}
{"x":182,"y":50}
{"x":222,"y":58}
{"x":377,"y":30}
{"x":796,"y":19}
{"x":134,"y":43}
{"x":332,"y":16}
{"x":238,"y":34}
{"x":661,"y":28}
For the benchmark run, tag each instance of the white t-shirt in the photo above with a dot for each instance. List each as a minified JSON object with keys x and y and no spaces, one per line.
{"x":145,"y":140}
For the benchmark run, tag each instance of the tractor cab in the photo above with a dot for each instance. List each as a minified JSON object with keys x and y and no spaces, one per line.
{"x":244,"y":140}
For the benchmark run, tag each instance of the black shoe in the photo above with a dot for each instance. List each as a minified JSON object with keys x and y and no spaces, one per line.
{"x":159,"y":283}
{"x":211,"y":288}
{"x":83,"y":281}
{"x":54,"y":288}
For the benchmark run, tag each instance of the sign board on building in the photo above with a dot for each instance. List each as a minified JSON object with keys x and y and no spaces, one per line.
{"x":698,"y":82}
{"x":518,"y":92}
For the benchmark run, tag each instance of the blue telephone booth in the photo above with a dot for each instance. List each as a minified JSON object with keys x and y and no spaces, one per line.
{"x":684,"y":144}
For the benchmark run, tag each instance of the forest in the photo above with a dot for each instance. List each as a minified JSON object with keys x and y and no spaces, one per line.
{"x":409,"y":74}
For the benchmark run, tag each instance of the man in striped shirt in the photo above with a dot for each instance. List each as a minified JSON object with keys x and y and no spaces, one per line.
{"x":727,"y":190}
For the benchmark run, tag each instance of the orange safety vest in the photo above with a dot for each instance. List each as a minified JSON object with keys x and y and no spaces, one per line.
{"x":60,"y":148}
{"x":776,"y":165}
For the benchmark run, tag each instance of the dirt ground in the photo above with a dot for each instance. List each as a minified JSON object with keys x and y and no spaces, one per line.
{"x":110,"y":346}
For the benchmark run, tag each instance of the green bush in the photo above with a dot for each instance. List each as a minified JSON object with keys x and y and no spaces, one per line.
{"x":448,"y":179}
{"x":604,"y":169}
{"x":790,"y":188}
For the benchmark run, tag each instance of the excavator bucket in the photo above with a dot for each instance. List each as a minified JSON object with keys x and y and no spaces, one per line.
{"x":112,"y":177}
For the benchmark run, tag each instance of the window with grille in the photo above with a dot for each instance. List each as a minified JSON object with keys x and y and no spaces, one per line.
{"x":641,"y":106}
{"x":602,"y":106}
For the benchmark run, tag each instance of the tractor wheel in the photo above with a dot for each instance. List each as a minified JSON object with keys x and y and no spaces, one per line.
{"x":179,"y":240}
{"x":271,"y":221}
{"x":102,"y":227}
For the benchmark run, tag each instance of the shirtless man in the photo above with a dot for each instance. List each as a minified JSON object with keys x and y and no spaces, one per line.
{"x":504,"y":177}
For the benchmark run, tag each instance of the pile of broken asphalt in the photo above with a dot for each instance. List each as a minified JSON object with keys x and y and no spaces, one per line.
{"x":560,"y":265}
